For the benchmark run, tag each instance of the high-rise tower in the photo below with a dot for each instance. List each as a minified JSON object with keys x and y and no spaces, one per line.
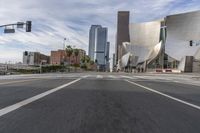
{"x":122,"y":33}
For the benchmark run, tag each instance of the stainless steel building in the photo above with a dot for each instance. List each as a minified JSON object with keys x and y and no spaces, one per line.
{"x":183,"y":39}
{"x":170,"y":43}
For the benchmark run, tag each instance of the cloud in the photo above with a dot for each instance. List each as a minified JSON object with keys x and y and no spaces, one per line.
{"x":53,"y":20}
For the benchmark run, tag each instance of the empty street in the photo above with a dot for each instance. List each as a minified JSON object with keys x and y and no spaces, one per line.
{"x":98,"y":103}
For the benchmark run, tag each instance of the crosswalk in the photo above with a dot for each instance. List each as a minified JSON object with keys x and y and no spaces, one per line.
{"x":100,"y":76}
{"x":127,"y":77}
{"x":112,"y":77}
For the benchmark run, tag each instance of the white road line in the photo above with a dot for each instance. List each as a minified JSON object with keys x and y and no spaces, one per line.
{"x":165,"y":95}
{"x":85,"y":76}
{"x":127,"y":77}
{"x":99,"y":76}
{"x":20,"y":81}
{"x":112,"y":76}
{"x":34,"y":98}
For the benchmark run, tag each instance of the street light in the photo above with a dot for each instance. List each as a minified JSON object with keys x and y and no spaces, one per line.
{"x":64,"y":43}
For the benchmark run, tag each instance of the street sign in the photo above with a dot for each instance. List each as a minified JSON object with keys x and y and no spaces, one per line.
{"x":9,"y":30}
{"x":20,"y":25}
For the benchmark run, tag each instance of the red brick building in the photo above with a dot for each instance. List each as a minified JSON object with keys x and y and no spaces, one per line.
{"x":60,"y":56}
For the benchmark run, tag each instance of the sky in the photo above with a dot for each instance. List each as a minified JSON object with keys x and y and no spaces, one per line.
{"x":53,"y":20}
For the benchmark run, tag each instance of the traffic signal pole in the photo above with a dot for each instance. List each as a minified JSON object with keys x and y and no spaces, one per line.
{"x":28,"y":25}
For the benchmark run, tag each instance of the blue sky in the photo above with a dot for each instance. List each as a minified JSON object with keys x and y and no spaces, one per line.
{"x":55,"y":19}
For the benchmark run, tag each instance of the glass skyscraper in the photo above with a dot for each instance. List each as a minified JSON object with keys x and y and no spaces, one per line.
{"x":92,"y":41}
{"x":97,"y":44}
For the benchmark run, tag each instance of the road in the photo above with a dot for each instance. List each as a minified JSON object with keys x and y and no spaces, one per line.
{"x":99,"y":103}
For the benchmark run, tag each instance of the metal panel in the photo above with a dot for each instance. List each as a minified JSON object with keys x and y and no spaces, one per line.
{"x":181,"y":29}
{"x":144,"y":38}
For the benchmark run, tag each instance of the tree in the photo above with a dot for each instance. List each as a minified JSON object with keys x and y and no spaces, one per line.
{"x":83,"y":59}
{"x":76,"y":53}
{"x":69,"y":52}
{"x":91,"y":62}
{"x":87,"y":58}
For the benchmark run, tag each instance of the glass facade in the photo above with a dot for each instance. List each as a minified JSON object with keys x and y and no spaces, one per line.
{"x":100,"y":45}
{"x":92,"y":41}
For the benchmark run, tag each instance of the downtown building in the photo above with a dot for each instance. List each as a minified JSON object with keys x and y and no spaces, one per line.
{"x":122,"y":34}
{"x":60,"y":57}
{"x":35,"y":58}
{"x":165,"y":45}
{"x":98,"y":46}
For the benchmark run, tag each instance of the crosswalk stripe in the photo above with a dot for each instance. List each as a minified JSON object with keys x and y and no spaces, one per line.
{"x":85,"y":76}
{"x":128,"y":77}
{"x":99,"y":76}
{"x":112,"y":76}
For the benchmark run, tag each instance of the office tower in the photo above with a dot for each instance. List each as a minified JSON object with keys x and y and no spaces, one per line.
{"x":114,"y":59}
{"x":107,"y":56}
{"x":122,"y":33}
{"x":92,"y":41}
{"x":107,"y":51}
{"x":100,"y":46}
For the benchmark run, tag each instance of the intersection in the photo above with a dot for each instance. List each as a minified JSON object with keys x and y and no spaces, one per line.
{"x":99,"y":103}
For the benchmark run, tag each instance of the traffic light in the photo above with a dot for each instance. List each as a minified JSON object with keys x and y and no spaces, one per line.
{"x":28,"y":26}
{"x":191,"y":43}
{"x":26,"y":53}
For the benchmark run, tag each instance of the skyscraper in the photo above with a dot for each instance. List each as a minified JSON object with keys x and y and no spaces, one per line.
{"x":122,"y":33}
{"x":100,"y":45}
{"x":107,"y":56}
{"x":107,"y":51}
{"x":97,"y":44}
{"x":92,"y":41}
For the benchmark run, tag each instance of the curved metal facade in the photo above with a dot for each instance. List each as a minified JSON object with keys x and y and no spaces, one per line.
{"x":173,"y":42}
{"x":145,"y":38}
{"x":181,"y":29}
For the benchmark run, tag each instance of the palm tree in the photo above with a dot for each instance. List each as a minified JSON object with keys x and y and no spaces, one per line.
{"x":76,"y":53}
{"x":69,"y":52}
{"x":87,"y":58}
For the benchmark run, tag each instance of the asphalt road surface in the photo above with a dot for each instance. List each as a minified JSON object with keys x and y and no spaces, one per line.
{"x":98,"y":103}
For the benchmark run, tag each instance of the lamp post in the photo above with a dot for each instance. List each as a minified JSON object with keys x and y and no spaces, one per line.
{"x":64,"y":43}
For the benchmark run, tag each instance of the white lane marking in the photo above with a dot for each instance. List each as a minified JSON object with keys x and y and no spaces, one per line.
{"x":85,"y":76}
{"x":20,"y":81}
{"x":165,"y":95}
{"x":112,"y":76}
{"x":99,"y":76}
{"x":127,"y":77}
{"x":34,"y":98}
